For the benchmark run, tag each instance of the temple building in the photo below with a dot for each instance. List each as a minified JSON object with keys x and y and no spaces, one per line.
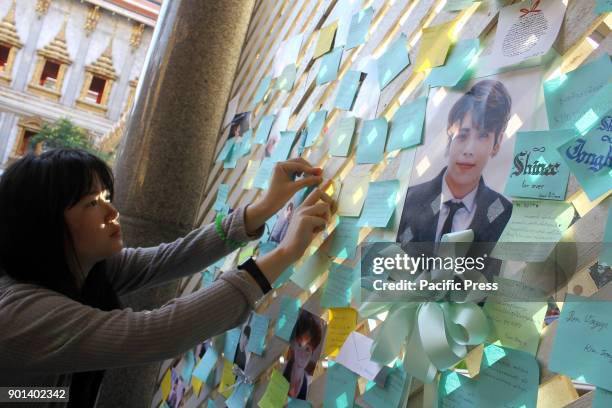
{"x":75,"y":59}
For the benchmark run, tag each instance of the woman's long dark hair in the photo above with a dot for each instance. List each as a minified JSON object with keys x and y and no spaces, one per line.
{"x":34,"y":193}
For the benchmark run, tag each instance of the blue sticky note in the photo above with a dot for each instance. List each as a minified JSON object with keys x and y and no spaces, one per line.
{"x":247,"y":141}
{"x":358,"y":30}
{"x":458,"y":61}
{"x":338,"y":288}
{"x":262,"y":178}
{"x":289,"y":310}
{"x":222,"y":193}
{"x":314,"y":126}
{"x":581,"y":347}
{"x":328,"y":70}
{"x":568,"y":95}
{"x":313,"y":267}
{"x":344,"y":238}
{"x":509,"y":379}
{"x":233,"y":155}
{"x":393,"y":61}
{"x":589,"y":157}
{"x":298,"y":403}
{"x":339,"y":387}
{"x":603,"y":6}
{"x":372,"y":141}
{"x":538,"y":170}
{"x":602,"y":398}
{"x":259,"y":331}
{"x":232,"y":337}
{"x":407,"y":125}
{"x":188,"y":366}
{"x":211,"y":404}
{"x":263,"y":130}
{"x":240,"y":396}
{"x":225,"y":150}
{"x":605,"y":257}
{"x":283,"y":148}
{"x":287,"y":78}
{"x":208,"y":277}
{"x":379,"y":204}
{"x":391,"y":395}
{"x":206,"y":364}
{"x":340,"y":143}
{"x":263,"y":88}
{"x":347,"y":90}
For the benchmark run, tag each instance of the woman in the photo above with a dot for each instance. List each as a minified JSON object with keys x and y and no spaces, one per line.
{"x":63,"y":265}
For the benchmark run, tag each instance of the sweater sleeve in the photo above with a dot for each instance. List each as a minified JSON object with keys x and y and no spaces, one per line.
{"x":137,"y":268}
{"x":46,"y":332}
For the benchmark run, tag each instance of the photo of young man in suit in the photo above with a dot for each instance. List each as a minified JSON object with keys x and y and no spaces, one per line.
{"x":458,"y":198}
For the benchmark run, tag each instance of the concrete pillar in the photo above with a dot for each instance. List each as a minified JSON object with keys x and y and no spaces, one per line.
{"x":168,"y":147}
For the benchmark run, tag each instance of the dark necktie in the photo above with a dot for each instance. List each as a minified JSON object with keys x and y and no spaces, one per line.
{"x":453,"y":208}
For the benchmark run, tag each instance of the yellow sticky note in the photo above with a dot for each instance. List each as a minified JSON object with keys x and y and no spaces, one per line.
{"x":354,"y":190}
{"x":166,"y":384}
{"x":245,"y":253}
{"x":276,"y":393}
{"x":197,"y":385}
{"x":326,"y":39}
{"x":227,"y":379}
{"x":473,"y":360}
{"x":342,"y":321}
{"x":435,"y":43}
{"x":556,"y":392}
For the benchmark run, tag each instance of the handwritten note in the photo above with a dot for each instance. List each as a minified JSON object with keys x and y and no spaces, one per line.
{"x":508,"y":378}
{"x":460,"y":57}
{"x":263,"y":130}
{"x":232,"y":337}
{"x":206,"y":364}
{"x":289,"y":309}
{"x":259,"y":331}
{"x":372,"y":139}
{"x":407,"y":125}
{"x":283,"y":148}
{"x":393,"y":61}
{"x":358,"y":30}
{"x":379,"y":204}
{"x":340,"y":144}
{"x":276,"y":392}
{"x":344,"y":238}
{"x":262,"y":178}
{"x":393,"y":392}
{"x":328,"y":70}
{"x":315,"y":265}
{"x":347,"y":90}
{"x":538,"y":170}
{"x":340,"y":387}
{"x":314,"y":126}
{"x":353,"y":191}
{"x":605,"y":257}
{"x":435,"y":42}
{"x":342,"y":322}
{"x":538,"y":225}
{"x":339,"y":286}
{"x":582,"y":343}
{"x":240,"y":396}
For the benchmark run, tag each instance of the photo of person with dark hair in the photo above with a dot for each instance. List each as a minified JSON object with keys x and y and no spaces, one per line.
{"x":458,"y":198}
{"x":242,"y":356}
{"x":304,"y":350}
{"x":240,"y":124}
{"x":281,"y":224}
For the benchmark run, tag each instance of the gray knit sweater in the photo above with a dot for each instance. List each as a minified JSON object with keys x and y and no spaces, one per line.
{"x":44,"y":336}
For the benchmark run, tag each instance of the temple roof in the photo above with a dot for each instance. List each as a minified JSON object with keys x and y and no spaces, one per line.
{"x":144,"y":11}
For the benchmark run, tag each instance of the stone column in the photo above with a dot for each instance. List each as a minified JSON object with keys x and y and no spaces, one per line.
{"x":168,"y":146}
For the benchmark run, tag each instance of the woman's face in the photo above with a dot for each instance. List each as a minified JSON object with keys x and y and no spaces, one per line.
{"x":302,"y":351}
{"x":94,"y":226}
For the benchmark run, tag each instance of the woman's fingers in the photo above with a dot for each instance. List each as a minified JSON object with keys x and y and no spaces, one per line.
{"x":307,"y":182}
{"x":299,"y":166}
{"x":320,"y":209}
{"x":319,"y":194}
{"x":314,"y":223}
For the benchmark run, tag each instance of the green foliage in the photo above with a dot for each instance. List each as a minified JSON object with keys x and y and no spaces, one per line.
{"x":65,"y":134}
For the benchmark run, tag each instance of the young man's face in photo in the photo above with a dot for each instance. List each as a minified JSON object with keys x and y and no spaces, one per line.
{"x":469,"y":151}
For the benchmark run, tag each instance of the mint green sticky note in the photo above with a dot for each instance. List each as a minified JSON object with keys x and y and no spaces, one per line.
{"x":262,"y":178}
{"x":283,"y":147}
{"x":232,"y":337}
{"x":338,"y":288}
{"x":263,"y":130}
{"x":240,"y":396}
{"x":379,"y":204}
{"x":208,"y":277}
{"x":259,"y":330}
{"x":328,"y":70}
{"x":347,"y":90}
{"x":457,"y":5}
{"x":568,"y":95}
{"x":222,"y":193}
{"x":344,"y":238}
{"x":602,"y":398}
{"x":206,"y":364}
{"x":508,"y":378}
{"x":340,"y":143}
{"x":457,"y":62}
{"x":407,"y":125}
{"x":225,"y":150}
{"x":581,"y":347}
{"x":313,"y":267}
{"x":188,"y":366}
{"x":232,"y":157}
{"x":589,"y":157}
{"x":391,"y":395}
{"x":393,"y":61}
{"x":605,"y":257}
{"x":287,"y":78}
{"x":263,"y":88}
{"x":340,"y":387}
{"x":247,"y":142}
{"x":603,"y":6}
{"x":372,"y":139}
{"x":314,"y":126}
{"x":358,"y":30}
{"x":289,"y":309}
{"x":538,"y":170}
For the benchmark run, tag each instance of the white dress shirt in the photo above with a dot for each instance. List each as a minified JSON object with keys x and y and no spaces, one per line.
{"x":463,"y":217}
